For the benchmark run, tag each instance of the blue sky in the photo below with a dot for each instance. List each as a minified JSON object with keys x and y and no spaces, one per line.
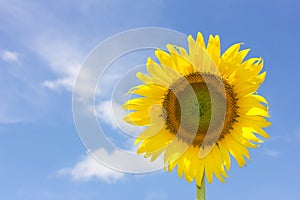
{"x":42,"y":46}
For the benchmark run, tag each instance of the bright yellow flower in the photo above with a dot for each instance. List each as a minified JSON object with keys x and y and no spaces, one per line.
{"x":200,"y":107}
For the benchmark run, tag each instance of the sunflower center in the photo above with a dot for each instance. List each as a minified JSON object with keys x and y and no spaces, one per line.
{"x":200,"y":107}
{"x":195,"y":103}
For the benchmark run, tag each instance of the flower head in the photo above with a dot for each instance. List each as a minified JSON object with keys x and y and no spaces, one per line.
{"x":200,"y":108}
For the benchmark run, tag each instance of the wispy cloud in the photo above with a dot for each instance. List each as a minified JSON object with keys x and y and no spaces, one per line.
{"x":89,"y":168}
{"x":64,"y":58}
{"x":10,"y":56}
{"x":272,"y":153}
{"x":7,"y":120}
{"x":59,"y":41}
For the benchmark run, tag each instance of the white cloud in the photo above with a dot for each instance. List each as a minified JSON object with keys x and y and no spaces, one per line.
{"x":64,"y":59}
{"x":59,"y":41}
{"x":272,"y":153}
{"x":112,"y":114}
{"x":104,"y":112}
{"x":57,"y":84}
{"x":48,"y":37}
{"x":89,"y":168}
{"x":8,"y":120}
{"x":10,"y":56}
{"x":66,"y":82}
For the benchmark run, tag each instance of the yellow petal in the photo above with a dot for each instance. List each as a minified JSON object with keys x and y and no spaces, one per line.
{"x":144,"y":102}
{"x":157,"y":73}
{"x":164,"y":58}
{"x":209,"y":168}
{"x":254,"y":121}
{"x":138,"y":119}
{"x":225,"y":154}
{"x":155,"y":143}
{"x":200,"y":40}
{"x":200,"y":172}
{"x":214,"y":48}
{"x":242,"y":140}
{"x":150,"y":90}
{"x":218,"y":163}
{"x":150,"y":131}
{"x":175,"y":150}
{"x":237,"y":150}
{"x":144,"y":77}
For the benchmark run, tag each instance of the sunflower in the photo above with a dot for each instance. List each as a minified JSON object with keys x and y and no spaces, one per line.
{"x":200,"y":108}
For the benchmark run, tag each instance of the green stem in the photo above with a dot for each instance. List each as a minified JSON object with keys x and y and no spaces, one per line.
{"x":200,"y":193}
